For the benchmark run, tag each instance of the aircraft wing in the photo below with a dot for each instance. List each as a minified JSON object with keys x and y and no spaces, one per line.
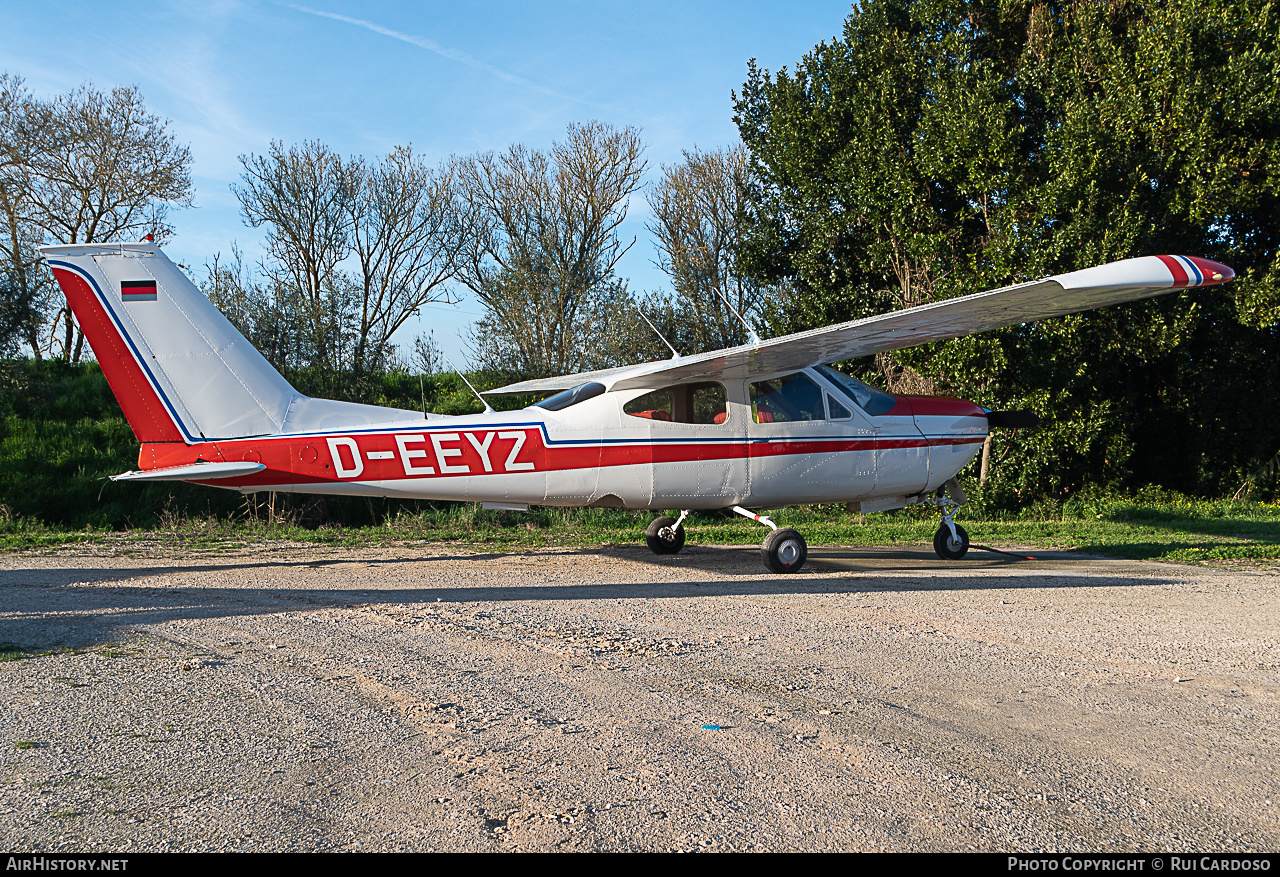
{"x":1114,"y":283}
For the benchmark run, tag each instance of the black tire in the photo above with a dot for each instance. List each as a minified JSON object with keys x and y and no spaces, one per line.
{"x":784,"y":551}
{"x":946,"y":547}
{"x":661,"y":543}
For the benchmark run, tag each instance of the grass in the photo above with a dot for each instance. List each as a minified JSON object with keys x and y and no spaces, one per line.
{"x":14,"y":652}
{"x":1155,"y":527}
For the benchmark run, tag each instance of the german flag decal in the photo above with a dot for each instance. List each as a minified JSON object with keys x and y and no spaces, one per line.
{"x":138,"y":290}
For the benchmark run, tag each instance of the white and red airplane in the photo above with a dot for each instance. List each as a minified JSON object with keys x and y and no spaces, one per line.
{"x":759,"y":426}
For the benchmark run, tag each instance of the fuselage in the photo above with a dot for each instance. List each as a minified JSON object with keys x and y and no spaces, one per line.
{"x":794,"y":438}
{"x":707,"y":431}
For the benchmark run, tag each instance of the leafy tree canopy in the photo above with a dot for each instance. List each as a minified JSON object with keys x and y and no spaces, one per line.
{"x":941,"y":148}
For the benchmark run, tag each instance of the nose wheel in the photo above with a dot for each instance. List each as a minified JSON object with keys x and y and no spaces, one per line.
{"x":951,"y":546}
{"x":951,"y":542}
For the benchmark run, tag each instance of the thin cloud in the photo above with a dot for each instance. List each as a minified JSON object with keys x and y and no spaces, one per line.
{"x":443,"y":51}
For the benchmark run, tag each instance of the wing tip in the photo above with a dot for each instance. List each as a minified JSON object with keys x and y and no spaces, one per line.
{"x":1149,"y":272}
{"x":1189,"y":271}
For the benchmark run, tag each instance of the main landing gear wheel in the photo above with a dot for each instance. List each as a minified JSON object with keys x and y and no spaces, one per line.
{"x":784,"y":551}
{"x":947,"y":546}
{"x":664,"y":537}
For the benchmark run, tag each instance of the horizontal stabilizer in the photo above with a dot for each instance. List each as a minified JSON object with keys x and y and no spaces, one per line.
{"x":194,"y":472}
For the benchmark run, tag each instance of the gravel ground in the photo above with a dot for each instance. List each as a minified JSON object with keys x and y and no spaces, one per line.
{"x":432,"y":698}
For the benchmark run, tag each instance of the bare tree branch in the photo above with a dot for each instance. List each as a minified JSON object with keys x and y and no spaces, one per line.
{"x":546,"y":245}
{"x":696,"y":210}
{"x":106,"y":170}
{"x":85,"y":167}
{"x":408,"y":236}
{"x":302,"y":194}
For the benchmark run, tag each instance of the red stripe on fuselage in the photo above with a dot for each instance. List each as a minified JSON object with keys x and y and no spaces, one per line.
{"x":142,"y":407}
{"x":933,"y":406}
{"x":309,"y":461}
{"x":943,"y":406}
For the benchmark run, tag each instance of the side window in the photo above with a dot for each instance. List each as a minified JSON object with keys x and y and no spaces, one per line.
{"x":788,"y":399}
{"x":685,"y":403}
{"x":835,"y":410}
{"x":654,"y":406}
{"x":580,"y":393}
{"x":706,"y":403}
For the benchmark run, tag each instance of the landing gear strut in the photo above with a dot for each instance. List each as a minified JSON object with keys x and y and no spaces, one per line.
{"x":784,"y":550}
{"x":665,"y":535}
{"x":951,"y":542}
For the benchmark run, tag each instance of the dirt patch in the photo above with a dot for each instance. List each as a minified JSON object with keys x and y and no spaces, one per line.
{"x":425,"y":698}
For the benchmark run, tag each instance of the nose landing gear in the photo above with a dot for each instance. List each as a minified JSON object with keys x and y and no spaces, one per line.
{"x":951,"y":545}
{"x":951,"y":542}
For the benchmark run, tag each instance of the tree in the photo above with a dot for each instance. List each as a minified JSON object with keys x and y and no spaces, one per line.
{"x":108,"y":170}
{"x":940,"y":148}
{"x":397,"y":224}
{"x":302,"y":194}
{"x":408,"y":234}
{"x":23,"y":288}
{"x":85,"y":167}
{"x":426,"y":358}
{"x":546,"y":244}
{"x":270,"y":313}
{"x":696,"y":208}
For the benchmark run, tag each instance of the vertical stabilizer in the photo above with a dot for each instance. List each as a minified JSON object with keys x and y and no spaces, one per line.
{"x":179,"y":368}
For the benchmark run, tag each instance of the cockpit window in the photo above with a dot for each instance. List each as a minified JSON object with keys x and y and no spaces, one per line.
{"x":870,"y":399}
{"x":580,"y":393}
{"x":684,"y":403}
{"x":787,"y":399}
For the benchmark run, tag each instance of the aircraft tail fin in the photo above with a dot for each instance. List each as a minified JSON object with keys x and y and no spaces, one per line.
{"x":181,"y":371}
{"x":179,"y":368}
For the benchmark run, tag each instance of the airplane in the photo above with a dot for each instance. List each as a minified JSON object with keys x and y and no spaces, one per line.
{"x":761,"y":426}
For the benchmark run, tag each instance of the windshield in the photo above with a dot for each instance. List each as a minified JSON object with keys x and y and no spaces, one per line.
{"x":580,"y":393}
{"x":869,"y":399}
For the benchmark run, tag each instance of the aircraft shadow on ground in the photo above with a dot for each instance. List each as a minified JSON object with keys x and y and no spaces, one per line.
{"x":81,"y":608}
{"x":1150,"y":550}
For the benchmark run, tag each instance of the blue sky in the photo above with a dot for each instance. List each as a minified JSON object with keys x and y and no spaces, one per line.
{"x":449,"y":78}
